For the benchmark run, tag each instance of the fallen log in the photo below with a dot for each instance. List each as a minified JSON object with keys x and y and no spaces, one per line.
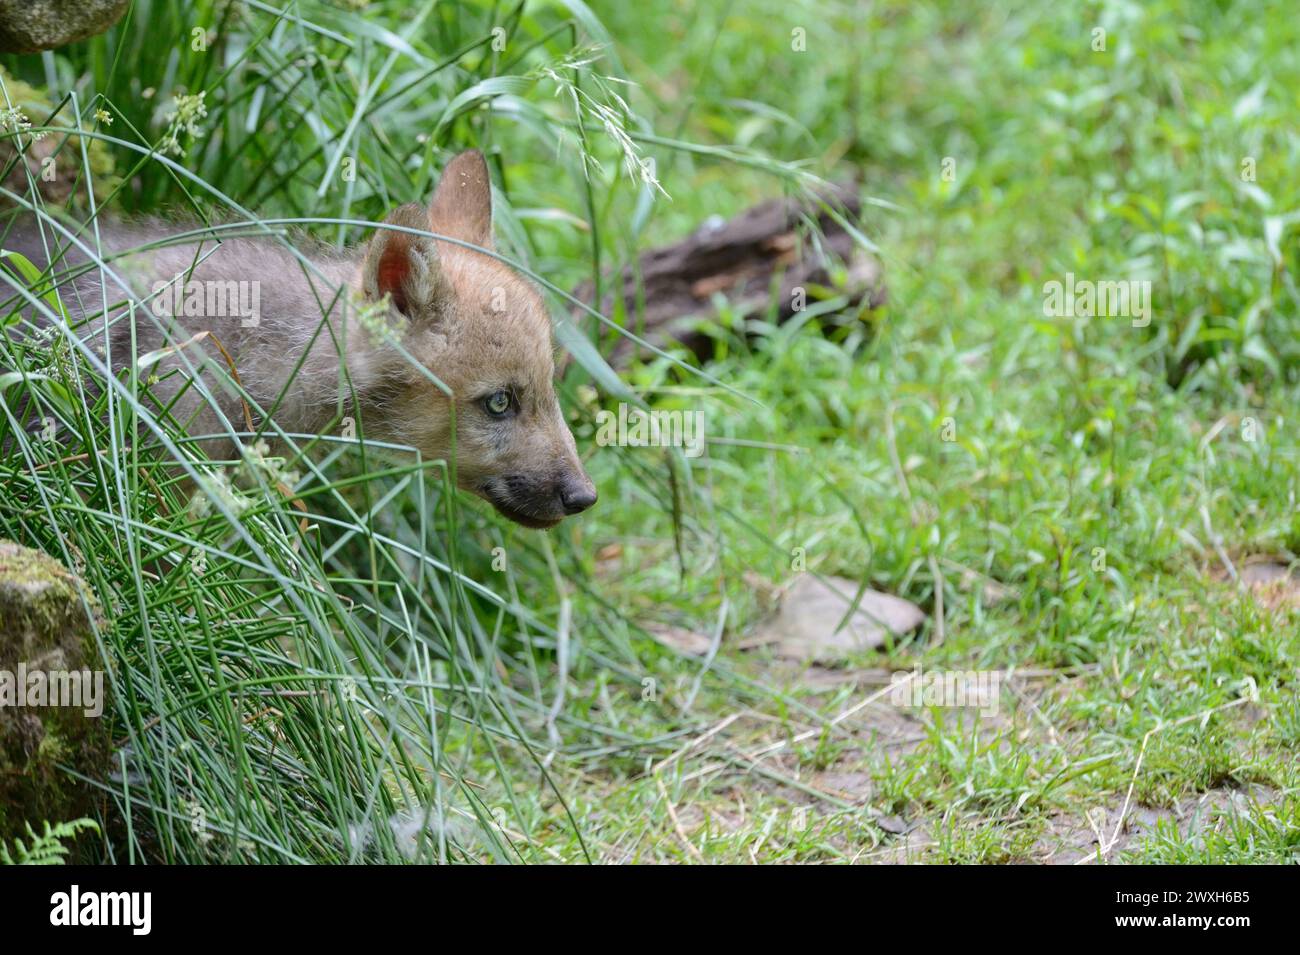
{"x":673,"y":286}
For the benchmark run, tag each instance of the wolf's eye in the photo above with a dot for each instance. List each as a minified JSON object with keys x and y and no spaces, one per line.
{"x":497,"y":404}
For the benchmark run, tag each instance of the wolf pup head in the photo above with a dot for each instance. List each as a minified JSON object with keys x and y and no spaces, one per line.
{"x":485,"y":333}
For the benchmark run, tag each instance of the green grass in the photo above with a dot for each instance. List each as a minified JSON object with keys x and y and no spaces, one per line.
{"x":1097,"y":471}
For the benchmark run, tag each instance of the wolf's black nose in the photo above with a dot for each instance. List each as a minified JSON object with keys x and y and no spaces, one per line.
{"x":577,"y":495}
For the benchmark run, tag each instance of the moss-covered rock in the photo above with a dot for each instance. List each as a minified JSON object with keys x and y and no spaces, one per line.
{"x":53,"y":163}
{"x":29,"y":26}
{"x":44,"y":626}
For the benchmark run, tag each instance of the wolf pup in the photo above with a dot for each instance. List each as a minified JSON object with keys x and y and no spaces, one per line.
{"x":469,"y":320}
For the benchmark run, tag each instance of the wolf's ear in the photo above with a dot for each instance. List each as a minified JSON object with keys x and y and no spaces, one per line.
{"x":404,"y":266}
{"x":462,"y":204}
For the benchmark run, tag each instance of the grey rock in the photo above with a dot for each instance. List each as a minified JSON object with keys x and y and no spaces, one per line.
{"x":806,"y":627}
{"x":30,"y":26}
{"x":44,"y":625}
